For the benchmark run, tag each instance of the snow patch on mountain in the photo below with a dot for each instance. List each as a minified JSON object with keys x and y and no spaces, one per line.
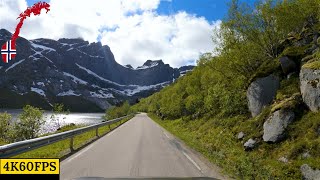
{"x":39,"y":91}
{"x":14,"y":65}
{"x":153,"y":64}
{"x":89,"y":54}
{"x":101,"y":95}
{"x":75,"y":79}
{"x":38,"y":46}
{"x":68,"y":93}
{"x":97,"y":76}
{"x":40,"y":84}
{"x":137,"y":89}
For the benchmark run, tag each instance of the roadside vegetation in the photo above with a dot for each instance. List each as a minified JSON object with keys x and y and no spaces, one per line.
{"x":29,"y":122}
{"x":208,"y":107}
{"x":61,"y":149}
{"x":118,"y":111}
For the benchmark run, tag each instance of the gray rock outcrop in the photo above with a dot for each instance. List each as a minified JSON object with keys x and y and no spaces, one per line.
{"x":308,"y":173}
{"x":274,"y":128}
{"x":310,"y":87}
{"x":261,"y":92}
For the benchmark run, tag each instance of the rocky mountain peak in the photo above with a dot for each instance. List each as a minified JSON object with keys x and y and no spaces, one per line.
{"x":5,"y":34}
{"x":70,"y":71}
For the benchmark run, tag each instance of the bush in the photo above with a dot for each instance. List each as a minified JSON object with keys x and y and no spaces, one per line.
{"x":57,"y":110}
{"x":115,"y":112}
{"x":4,"y":125}
{"x":28,"y":125}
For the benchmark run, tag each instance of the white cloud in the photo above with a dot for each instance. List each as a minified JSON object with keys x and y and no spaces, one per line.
{"x":132,"y":28}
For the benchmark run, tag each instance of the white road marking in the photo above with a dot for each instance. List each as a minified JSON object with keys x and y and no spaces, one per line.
{"x":191,"y":160}
{"x":80,"y":153}
{"x":111,"y":132}
{"x":166,"y":135}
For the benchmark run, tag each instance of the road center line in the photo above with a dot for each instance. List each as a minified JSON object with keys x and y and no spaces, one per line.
{"x":191,"y":160}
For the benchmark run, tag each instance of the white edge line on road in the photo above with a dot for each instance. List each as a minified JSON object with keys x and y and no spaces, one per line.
{"x":166,"y":135}
{"x":111,"y":132}
{"x":90,"y":146}
{"x":191,"y":160}
{"x":80,"y":153}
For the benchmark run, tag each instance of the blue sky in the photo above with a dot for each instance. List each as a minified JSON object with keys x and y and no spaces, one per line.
{"x":212,"y":10}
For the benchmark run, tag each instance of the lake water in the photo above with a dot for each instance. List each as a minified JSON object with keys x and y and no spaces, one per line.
{"x":51,"y":126}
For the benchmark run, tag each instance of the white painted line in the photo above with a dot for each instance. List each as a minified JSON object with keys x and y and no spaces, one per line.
{"x":80,"y":153}
{"x":166,"y":135}
{"x":191,"y":160}
{"x":111,"y":132}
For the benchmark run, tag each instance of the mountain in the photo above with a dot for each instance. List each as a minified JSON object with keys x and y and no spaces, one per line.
{"x":83,"y":76}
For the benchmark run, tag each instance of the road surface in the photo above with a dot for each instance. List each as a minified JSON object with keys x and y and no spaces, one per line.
{"x":138,"y":148}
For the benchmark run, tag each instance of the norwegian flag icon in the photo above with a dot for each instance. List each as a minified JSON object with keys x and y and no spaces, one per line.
{"x":8,"y":51}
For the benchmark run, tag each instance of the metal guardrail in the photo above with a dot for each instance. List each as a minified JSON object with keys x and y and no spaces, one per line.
{"x":16,"y":148}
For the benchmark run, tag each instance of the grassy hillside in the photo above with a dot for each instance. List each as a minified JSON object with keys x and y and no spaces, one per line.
{"x":208,"y":107}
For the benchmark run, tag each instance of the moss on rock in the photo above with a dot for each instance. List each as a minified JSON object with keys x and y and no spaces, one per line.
{"x":294,"y":51}
{"x":289,"y":103}
{"x":312,"y":65}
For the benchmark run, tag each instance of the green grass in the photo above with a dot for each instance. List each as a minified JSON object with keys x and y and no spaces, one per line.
{"x":217,"y":141}
{"x":61,"y":148}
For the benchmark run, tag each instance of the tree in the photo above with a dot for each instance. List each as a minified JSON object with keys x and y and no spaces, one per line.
{"x":4,"y":125}
{"x":56,"y":119}
{"x":28,"y":125}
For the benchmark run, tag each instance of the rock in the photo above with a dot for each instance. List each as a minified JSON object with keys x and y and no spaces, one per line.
{"x":261,"y":93}
{"x":250,"y":144}
{"x":310,"y":86}
{"x":308,"y":173}
{"x":241,"y":135}
{"x":283,"y":159}
{"x":306,"y":155}
{"x":287,"y":65}
{"x":274,"y":128}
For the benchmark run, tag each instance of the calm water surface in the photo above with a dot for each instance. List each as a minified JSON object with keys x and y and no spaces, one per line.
{"x":51,"y":126}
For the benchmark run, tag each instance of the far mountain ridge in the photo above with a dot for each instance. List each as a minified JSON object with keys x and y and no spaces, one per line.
{"x":71,"y":71}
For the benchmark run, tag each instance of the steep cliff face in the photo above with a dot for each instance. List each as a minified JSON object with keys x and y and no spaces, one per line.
{"x":84,"y":76}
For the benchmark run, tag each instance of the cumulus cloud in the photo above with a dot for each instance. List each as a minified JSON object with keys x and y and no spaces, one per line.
{"x":132,"y":28}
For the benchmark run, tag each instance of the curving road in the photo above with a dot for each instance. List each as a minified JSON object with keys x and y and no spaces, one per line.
{"x":138,"y":148}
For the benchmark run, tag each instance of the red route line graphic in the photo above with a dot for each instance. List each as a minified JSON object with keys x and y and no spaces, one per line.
{"x":8,"y":50}
{"x":36,"y":10}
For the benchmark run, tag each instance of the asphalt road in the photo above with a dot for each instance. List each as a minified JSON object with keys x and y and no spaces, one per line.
{"x":138,"y":148}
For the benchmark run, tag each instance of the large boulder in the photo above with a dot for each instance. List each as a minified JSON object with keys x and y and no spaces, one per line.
{"x":308,"y":173}
{"x":274,"y":128}
{"x":287,"y":65}
{"x":261,"y":93}
{"x":310,"y":86}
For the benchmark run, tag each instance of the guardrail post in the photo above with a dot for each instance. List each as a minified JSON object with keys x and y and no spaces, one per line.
{"x":97,"y":132}
{"x":71,"y":144}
